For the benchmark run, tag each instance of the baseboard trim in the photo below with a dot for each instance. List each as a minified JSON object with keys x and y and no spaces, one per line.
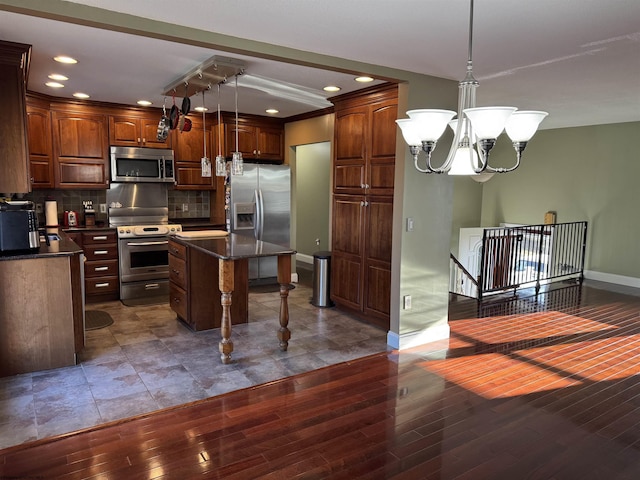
{"x":612,"y":278}
{"x":414,"y":339}
{"x":301,"y":257}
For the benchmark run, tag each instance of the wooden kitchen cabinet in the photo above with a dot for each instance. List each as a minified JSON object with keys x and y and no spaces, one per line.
{"x":258,"y":139}
{"x":80,"y":147}
{"x":363,"y":166}
{"x":194,"y":293}
{"x":101,"y":265}
{"x":14,"y":150}
{"x":365,"y":142}
{"x":130,"y":129}
{"x":40,"y":146}
{"x":361,"y":255}
{"x":188,"y":152}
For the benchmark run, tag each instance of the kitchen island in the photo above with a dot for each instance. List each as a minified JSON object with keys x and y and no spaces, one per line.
{"x":238,"y":248}
{"x":41,"y":307}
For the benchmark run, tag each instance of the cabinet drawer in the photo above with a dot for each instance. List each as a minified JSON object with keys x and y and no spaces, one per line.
{"x":178,"y":250}
{"x":178,"y":300}
{"x":98,"y":238}
{"x":105,"y":268}
{"x":101,"y":285}
{"x":178,"y":271}
{"x":101,"y":252}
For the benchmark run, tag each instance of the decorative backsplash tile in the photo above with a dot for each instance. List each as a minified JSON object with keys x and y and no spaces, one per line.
{"x":182,"y":204}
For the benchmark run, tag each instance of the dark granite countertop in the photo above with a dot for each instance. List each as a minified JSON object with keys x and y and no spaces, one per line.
{"x":235,"y":247}
{"x":87,"y":229}
{"x":63,"y":247}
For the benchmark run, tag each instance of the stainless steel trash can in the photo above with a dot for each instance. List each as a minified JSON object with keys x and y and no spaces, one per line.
{"x":321,"y":278}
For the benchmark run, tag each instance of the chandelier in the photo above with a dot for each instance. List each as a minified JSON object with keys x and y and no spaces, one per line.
{"x":476,"y":130}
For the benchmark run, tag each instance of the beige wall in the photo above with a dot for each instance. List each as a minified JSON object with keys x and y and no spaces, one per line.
{"x":584,"y":173}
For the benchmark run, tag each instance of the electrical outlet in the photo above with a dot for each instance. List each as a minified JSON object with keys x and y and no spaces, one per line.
{"x":38,"y":208}
{"x":185,"y":207}
{"x":407,"y":302}
{"x":317,"y":241}
{"x":103,"y":208}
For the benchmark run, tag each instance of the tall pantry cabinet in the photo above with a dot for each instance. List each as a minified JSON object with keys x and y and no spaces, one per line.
{"x":363,"y":179}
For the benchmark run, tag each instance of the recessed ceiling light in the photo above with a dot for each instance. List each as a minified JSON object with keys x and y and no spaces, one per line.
{"x":80,"y":95}
{"x":65,"y":59}
{"x":331,"y":88}
{"x":201,"y":109}
{"x":364,"y":79}
{"x":144,"y":103}
{"x":58,"y":77}
{"x":54,"y":85}
{"x":272,"y":110}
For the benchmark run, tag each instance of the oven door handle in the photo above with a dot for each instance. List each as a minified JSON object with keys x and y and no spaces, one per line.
{"x":146,"y":244}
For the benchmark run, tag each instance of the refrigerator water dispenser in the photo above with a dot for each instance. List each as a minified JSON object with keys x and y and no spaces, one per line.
{"x":244,"y":216}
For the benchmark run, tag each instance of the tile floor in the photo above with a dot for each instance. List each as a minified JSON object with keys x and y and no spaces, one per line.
{"x":147,"y":360}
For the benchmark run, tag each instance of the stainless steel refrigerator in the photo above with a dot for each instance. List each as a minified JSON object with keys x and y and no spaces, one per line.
{"x":260,"y":207}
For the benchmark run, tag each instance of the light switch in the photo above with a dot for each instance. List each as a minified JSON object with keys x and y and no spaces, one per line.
{"x":409,"y":224}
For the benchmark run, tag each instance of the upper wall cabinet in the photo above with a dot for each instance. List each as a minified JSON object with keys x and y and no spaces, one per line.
{"x":189,"y":148}
{"x":80,"y":147}
{"x":14,"y":150}
{"x":132,"y":129}
{"x":365,"y":140}
{"x":40,"y":147}
{"x":258,"y":138}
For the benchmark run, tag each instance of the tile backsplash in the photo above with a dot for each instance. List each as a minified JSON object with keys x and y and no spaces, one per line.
{"x":182,"y":204}
{"x":196,"y":201}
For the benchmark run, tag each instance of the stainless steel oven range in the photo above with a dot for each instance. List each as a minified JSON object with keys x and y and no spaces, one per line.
{"x":144,"y":260}
{"x":139,"y":212}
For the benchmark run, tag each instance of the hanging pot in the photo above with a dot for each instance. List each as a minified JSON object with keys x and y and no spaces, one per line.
{"x":174,"y":116}
{"x":163,"y":128}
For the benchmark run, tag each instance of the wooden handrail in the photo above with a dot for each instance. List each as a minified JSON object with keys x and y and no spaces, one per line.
{"x":464,"y":270}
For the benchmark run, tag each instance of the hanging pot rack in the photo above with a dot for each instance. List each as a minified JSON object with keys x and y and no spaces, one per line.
{"x":212,"y":72}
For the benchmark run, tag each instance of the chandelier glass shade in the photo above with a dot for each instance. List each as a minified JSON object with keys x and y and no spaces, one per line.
{"x":476,"y":130}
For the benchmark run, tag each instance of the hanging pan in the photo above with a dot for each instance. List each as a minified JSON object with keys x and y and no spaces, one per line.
{"x":186,"y":101}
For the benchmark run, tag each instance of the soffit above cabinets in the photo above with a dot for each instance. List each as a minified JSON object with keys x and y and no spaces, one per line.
{"x":214,"y":71}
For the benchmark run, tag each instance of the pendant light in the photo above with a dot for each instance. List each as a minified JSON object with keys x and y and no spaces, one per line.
{"x":205,"y":163}
{"x":237,"y":167}
{"x":221,"y":165}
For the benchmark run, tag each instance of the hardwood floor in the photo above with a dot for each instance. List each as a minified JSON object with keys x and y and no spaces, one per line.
{"x":524,"y":388}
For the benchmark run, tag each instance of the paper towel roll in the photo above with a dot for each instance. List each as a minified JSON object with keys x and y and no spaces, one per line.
{"x":51,"y":213}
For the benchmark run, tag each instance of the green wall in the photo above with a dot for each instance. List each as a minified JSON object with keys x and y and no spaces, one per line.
{"x":583,"y":173}
{"x":313,"y":199}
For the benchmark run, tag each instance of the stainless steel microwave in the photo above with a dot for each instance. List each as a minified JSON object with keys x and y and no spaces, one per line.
{"x":137,"y":164}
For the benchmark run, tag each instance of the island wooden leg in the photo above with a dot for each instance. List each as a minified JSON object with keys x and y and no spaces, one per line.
{"x":284,"y":279}
{"x":225,"y":283}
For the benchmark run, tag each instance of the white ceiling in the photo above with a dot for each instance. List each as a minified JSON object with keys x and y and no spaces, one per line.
{"x":577,"y":59}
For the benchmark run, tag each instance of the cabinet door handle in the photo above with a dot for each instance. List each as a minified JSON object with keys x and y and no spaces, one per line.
{"x":102,"y":285}
{"x":151,"y":286}
{"x":177,"y":272}
{"x":101,"y":252}
{"x":100,"y":269}
{"x":100,"y":237}
{"x":138,"y":139}
{"x":176,"y":300}
{"x":366,"y":185}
